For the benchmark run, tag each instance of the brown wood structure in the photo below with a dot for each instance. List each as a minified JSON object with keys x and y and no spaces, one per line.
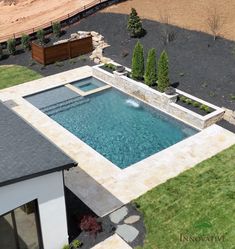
{"x":67,"y":50}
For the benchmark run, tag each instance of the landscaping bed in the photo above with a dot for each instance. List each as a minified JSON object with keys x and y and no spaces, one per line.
{"x":198,"y":65}
{"x":92,"y":229}
{"x":109,"y":67}
{"x":194,"y":106}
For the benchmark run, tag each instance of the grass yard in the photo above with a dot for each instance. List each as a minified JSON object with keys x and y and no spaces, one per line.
{"x":14,"y":75}
{"x":199,"y":202}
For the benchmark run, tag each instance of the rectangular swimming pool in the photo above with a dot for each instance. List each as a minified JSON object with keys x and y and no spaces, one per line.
{"x":119,"y":127}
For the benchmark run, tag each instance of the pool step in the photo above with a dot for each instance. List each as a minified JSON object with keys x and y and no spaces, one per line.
{"x":64,"y":105}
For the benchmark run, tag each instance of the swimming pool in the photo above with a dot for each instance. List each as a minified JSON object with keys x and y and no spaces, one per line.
{"x":119,"y":127}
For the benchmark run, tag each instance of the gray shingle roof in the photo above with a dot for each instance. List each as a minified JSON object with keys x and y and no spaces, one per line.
{"x":24,"y":152}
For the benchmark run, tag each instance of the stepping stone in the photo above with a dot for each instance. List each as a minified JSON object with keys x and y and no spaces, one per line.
{"x":132,"y":219}
{"x":118,"y":215}
{"x":127,"y":232}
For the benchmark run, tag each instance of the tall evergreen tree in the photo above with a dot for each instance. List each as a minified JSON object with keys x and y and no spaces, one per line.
{"x":163,"y":72}
{"x":150,"y":76}
{"x":138,"y":62}
{"x":134,"y":24}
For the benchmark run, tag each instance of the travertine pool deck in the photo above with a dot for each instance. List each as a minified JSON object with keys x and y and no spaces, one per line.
{"x":96,"y":181}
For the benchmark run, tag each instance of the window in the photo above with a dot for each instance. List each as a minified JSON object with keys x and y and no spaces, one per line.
{"x":19,"y":229}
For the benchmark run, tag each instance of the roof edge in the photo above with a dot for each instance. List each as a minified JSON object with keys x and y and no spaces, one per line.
{"x":46,"y":172}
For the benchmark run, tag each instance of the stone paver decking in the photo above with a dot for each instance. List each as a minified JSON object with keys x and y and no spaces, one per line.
{"x":96,"y":181}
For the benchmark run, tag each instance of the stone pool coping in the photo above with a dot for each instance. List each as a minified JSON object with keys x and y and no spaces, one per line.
{"x":96,"y":181}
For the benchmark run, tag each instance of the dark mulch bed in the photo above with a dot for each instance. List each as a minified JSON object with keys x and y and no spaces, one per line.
{"x":76,"y":209}
{"x":225,"y":124}
{"x":201,"y":67}
{"x":198,"y":65}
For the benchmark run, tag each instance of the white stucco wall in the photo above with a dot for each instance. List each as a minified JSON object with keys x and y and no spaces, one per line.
{"x":49,"y":191}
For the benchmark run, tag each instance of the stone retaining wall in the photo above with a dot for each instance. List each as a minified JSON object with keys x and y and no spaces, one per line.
{"x":163,"y":102}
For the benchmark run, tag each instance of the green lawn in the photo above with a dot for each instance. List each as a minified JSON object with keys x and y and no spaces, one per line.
{"x":14,"y":75}
{"x":199,"y":202}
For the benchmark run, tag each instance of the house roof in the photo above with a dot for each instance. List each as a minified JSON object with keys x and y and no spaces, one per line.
{"x":24,"y":152}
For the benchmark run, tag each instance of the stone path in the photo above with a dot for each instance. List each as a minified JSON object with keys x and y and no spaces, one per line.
{"x":126,"y":223}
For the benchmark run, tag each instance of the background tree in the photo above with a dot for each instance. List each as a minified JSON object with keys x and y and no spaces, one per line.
{"x":163,"y":72}
{"x":56,"y":28}
{"x":214,"y":21}
{"x":150,"y":76}
{"x":11,"y":46}
{"x":138,"y":62}
{"x":134,"y":24}
{"x":41,"y":36}
{"x":25,"y":41}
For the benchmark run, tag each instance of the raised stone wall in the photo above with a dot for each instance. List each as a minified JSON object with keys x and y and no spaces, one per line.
{"x":163,"y":102}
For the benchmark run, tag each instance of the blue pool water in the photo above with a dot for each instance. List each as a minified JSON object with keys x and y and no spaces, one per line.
{"x":121,"y":128}
{"x":88,"y":84}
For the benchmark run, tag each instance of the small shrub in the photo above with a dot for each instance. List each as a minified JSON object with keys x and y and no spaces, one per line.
{"x":90,"y":224}
{"x":188,"y":101}
{"x":196,"y":104}
{"x":163,"y":72}
{"x":110,"y":66}
{"x":150,"y":76}
{"x":205,"y":108}
{"x":76,"y":244}
{"x":25,"y":41}
{"x":134,"y":25}
{"x":183,"y":98}
{"x":11,"y":46}
{"x":41,"y":36}
{"x":138,"y":62}
{"x":56,"y":28}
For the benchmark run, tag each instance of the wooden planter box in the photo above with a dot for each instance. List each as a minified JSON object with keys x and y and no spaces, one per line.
{"x":48,"y":55}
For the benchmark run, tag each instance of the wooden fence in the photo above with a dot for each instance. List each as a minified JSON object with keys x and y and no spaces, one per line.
{"x":50,"y":54}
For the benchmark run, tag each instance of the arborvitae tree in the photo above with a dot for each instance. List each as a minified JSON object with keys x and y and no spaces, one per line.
{"x":134,"y":24}
{"x":11,"y":46}
{"x":163,"y":72}
{"x":56,"y":27}
{"x":138,"y":62}
{"x":41,"y":36}
{"x":150,"y":76}
{"x":25,"y":41}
